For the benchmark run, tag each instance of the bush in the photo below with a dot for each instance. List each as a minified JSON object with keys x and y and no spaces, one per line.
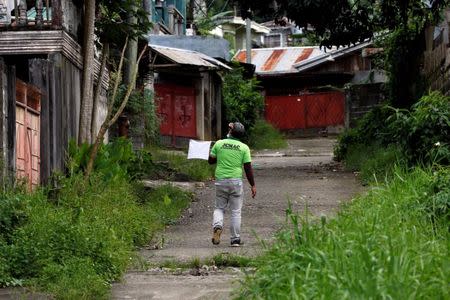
{"x":114,"y":160}
{"x":424,"y":132}
{"x":370,"y":128}
{"x":379,"y":246}
{"x":264,"y":136}
{"x":241,"y":99}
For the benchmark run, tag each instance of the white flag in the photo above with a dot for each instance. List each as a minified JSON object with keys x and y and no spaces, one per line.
{"x":198,"y":149}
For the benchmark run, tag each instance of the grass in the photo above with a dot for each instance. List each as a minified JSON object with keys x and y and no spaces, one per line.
{"x":74,"y":244}
{"x":381,"y":246}
{"x":265,"y":136}
{"x":221,"y":260}
{"x":375,"y":163}
{"x":193,"y":169}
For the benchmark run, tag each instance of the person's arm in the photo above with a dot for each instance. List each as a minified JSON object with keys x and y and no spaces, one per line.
{"x":212,"y":160}
{"x":249,"y":173}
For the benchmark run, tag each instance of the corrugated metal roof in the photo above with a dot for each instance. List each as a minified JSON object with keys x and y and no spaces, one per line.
{"x":286,"y":60}
{"x":188,"y":57}
{"x":279,"y":60}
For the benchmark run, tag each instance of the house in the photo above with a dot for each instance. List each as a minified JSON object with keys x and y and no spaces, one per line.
{"x":234,"y":31}
{"x":40,"y":86}
{"x":169,"y":17}
{"x":304,"y":86}
{"x":282,"y":33}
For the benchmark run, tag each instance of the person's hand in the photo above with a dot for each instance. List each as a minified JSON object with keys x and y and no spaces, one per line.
{"x":253,"y":191}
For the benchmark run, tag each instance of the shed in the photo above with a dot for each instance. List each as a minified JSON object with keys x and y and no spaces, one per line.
{"x":188,"y":94}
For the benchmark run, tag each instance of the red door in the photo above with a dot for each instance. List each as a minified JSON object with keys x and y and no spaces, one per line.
{"x":28,"y":133}
{"x":305,"y":111}
{"x":176,"y":109}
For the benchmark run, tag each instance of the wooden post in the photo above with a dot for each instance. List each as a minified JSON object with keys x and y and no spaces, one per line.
{"x":22,"y":13}
{"x":39,"y":19}
{"x":56,"y":14}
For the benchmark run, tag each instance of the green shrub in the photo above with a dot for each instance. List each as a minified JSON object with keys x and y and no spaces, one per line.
{"x":114,"y":160}
{"x":380,"y":246}
{"x":370,"y":128}
{"x":180,"y":166}
{"x":436,"y":201}
{"x":424,"y":132}
{"x":241,"y":99}
{"x":74,"y":278}
{"x":264,"y":136}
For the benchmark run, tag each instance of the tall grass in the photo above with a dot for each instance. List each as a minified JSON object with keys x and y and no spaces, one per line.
{"x":382,"y":245}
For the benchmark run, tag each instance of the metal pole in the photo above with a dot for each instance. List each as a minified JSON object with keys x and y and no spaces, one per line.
{"x":248,"y":39}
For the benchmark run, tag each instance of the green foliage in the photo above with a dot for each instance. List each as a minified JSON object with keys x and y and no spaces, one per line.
{"x":424,"y":132}
{"x":112,"y":23}
{"x":375,"y":162}
{"x":402,"y":62}
{"x":436,"y":201}
{"x":114,"y":160}
{"x":180,"y":166}
{"x":370,"y":128}
{"x":242,"y":101}
{"x":264,"y":136}
{"x":166,"y":203}
{"x":208,"y":22}
{"x":381,"y":245}
{"x":75,"y":245}
{"x":141,"y":106}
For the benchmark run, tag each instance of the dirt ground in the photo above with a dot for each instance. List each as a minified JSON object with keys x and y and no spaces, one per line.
{"x":304,"y":174}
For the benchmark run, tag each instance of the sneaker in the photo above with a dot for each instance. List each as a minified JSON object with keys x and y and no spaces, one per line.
{"x":216,"y":236}
{"x":237,"y":243}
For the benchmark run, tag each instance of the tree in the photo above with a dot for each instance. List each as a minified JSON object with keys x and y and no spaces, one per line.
{"x":84,"y":133}
{"x":111,"y":116}
{"x":111,"y":24}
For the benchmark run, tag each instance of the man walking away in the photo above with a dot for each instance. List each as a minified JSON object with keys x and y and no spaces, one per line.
{"x":230,"y":154}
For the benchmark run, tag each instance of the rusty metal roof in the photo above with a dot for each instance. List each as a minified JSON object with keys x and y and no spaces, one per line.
{"x":188,"y":57}
{"x":287,"y":60}
{"x":279,"y":60}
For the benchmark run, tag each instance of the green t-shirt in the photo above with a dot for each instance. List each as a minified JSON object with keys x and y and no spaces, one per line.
{"x":231,"y":155}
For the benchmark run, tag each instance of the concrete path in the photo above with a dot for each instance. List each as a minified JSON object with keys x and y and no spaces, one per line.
{"x":303,"y":174}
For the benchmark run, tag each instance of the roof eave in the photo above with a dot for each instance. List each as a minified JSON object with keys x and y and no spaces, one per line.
{"x":308,"y":64}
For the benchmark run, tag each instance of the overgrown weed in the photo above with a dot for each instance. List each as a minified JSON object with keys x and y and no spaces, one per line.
{"x":76,"y":244}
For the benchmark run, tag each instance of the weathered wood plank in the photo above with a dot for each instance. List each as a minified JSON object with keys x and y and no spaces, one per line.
{"x":38,"y":74}
{"x":11,"y":119}
{"x":3,"y":132}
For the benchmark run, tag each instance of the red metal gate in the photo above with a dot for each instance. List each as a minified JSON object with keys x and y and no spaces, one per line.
{"x":176,"y":109}
{"x":28,"y":106}
{"x":305,"y":111}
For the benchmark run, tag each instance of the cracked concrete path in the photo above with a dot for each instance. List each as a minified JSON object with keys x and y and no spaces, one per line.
{"x":303,"y":174}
